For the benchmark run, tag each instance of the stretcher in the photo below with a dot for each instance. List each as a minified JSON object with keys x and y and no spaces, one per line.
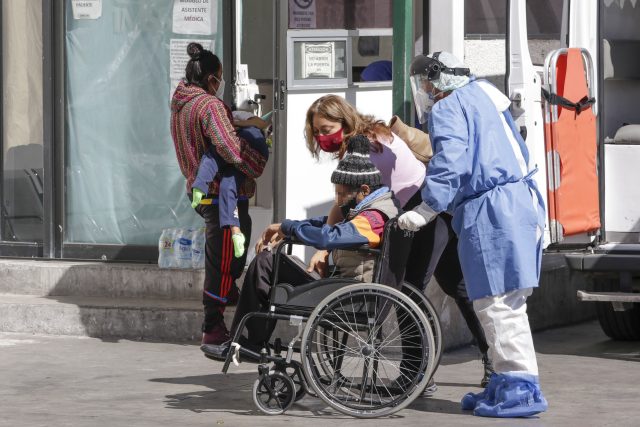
{"x":570,"y":143}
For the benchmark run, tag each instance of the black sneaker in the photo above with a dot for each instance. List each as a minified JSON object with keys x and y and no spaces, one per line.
{"x":249,"y":352}
{"x":216,"y":351}
{"x":488,"y":370}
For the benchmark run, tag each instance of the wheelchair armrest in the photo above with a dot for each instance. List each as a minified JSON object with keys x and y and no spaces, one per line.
{"x":366,"y":249}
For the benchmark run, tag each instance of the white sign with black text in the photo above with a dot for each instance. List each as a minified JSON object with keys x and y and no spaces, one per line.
{"x":195,"y":16}
{"x":86,"y":9}
{"x":317,"y":61}
{"x":179,"y":58}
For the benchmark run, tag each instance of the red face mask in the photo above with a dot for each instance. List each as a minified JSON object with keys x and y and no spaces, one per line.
{"x":330,"y":143}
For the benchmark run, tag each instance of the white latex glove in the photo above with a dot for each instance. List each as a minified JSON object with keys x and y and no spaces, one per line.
{"x":411,"y":221}
{"x":420,"y":216}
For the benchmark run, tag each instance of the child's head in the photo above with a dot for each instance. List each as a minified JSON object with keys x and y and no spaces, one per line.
{"x":355,"y":177}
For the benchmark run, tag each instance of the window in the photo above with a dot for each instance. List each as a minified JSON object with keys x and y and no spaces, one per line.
{"x":22,"y":118}
{"x":485,"y":34}
{"x":544,"y":27}
{"x":123,"y":183}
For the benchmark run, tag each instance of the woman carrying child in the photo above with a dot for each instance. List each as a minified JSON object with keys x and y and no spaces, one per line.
{"x":201,"y":123}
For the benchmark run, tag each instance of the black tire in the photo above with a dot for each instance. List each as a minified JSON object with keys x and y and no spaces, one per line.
{"x":617,"y":325}
{"x":294,"y":371}
{"x":274,"y":394}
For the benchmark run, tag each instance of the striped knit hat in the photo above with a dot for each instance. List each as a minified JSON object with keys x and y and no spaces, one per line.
{"x":355,"y":168}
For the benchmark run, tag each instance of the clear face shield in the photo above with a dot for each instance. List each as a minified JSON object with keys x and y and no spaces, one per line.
{"x":423,"y":98}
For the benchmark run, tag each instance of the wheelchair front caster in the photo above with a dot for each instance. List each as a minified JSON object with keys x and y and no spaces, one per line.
{"x":274,"y":393}
{"x":294,"y":371}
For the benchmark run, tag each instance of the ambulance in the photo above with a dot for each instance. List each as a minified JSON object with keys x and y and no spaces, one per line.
{"x":579,"y":115}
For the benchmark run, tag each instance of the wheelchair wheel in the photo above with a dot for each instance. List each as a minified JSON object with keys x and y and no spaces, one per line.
{"x":274,"y":393}
{"x":294,"y":371}
{"x":434,"y":320}
{"x":368,"y":369}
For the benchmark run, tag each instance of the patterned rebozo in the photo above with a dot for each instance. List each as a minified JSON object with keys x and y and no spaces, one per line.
{"x":199,"y":120}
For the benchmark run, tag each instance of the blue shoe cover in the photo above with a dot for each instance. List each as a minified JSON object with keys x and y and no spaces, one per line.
{"x":470,"y":400}
{"x":515,"y":395}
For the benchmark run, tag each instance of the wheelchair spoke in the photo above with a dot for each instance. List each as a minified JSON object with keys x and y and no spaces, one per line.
{"x":400,"y":368}
{"x":367,"y":348}
{"x":354,"y":333}
{"x":345,"y":348}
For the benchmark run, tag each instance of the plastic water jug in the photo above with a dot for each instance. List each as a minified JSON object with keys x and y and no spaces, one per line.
{"x":182,"y":248}
{"x":166,"y":242}
{"x":197,"y":248}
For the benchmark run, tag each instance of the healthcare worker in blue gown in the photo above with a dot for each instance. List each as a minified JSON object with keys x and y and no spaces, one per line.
{"x":479,"y":173}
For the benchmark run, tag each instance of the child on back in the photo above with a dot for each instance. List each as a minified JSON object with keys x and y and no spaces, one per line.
{"x":231,"y":178}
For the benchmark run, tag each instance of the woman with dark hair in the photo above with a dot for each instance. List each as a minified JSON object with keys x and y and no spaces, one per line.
{"x":200,"y":121}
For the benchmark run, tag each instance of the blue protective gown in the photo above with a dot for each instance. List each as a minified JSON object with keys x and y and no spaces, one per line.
{"x":475,"y":175}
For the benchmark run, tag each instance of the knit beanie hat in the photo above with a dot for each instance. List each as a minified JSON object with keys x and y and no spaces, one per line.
{"x":355,"y":168}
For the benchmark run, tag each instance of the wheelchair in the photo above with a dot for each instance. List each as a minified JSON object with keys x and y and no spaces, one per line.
{"x":366,"y":349}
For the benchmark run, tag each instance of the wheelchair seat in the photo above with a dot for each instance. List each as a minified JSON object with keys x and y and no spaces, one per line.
{"x":389,"y":268}
{"x":308,"y":295}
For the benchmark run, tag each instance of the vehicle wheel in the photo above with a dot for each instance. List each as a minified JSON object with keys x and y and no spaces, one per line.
{"x":618,"y":325}
{"x":274,"y":393}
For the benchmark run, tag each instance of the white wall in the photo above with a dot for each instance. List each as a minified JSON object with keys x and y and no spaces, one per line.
{"x":309,"y":189}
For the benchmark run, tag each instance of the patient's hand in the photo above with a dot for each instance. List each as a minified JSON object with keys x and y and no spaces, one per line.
{"x":270,"y":237}
{"x":319,"y":262}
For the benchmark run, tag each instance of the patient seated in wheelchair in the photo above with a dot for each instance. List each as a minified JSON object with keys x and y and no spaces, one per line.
{"x":366,"y":206}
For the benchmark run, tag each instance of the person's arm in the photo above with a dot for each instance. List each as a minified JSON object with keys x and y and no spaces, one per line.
{"x":358,"y":231}
{"x":320,"y":260}
{"x":207,"y":171}
{"x":233,"y":150}
{"x":252,"y":121}
{"x":450,"y":137}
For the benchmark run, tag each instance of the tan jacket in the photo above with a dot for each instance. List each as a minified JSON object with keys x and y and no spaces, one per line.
{"x":354,"y":264}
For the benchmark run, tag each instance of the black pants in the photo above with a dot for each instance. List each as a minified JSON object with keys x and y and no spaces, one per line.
{"x":255,"y":294}
{"x":221,"y":268}
{"x":434,"y":252}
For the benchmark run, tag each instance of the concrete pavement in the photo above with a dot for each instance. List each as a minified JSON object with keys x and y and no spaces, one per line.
{"x":78,"y":381}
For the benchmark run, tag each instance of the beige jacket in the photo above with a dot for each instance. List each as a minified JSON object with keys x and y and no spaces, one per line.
{"x":354,"y":264}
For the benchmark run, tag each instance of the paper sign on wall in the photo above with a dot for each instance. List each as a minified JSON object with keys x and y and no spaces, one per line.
{"x":86,"y":9}
{"x":178,"y":58}
{"x":318,"y":60}
{"x":302,"y":14}
{"x":195,"y":16}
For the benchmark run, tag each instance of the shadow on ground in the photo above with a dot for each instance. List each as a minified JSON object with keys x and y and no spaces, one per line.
{"x":557,"y":341}
{"x":232,"y":394}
